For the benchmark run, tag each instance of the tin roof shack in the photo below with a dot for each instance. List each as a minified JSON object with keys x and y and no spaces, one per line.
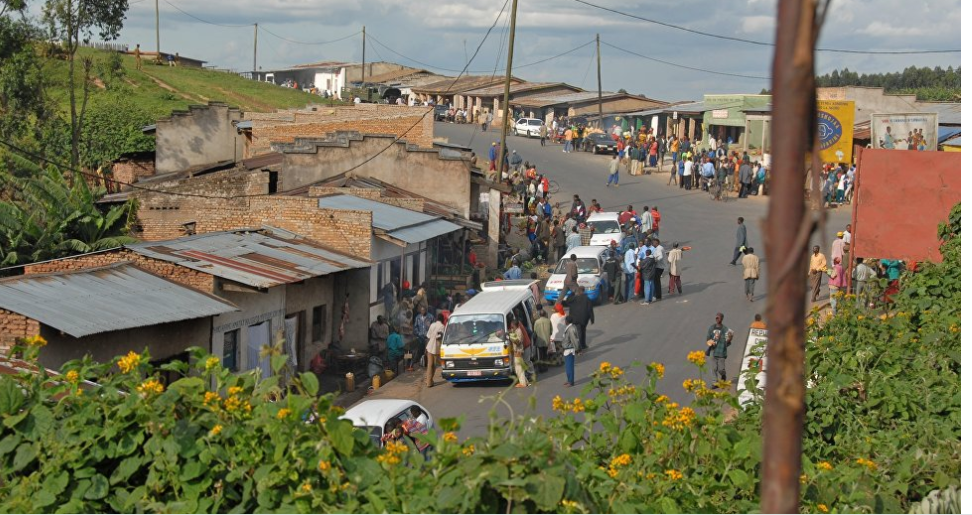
{"x":491,"y":97}
{"x":448,"y":90}
{"x":105,"y":312}
{"x":287,"y":287}
{"x":402,"y":244}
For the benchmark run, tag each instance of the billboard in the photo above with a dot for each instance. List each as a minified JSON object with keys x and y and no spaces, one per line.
{"x":904,"y":131}
{"x":835,"y":129}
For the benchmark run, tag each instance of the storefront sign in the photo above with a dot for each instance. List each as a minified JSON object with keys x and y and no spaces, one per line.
{"x":905,"y":131}
{"x":512,"y":205}
{"x":720,"y":114}
{"x":835,"y":130}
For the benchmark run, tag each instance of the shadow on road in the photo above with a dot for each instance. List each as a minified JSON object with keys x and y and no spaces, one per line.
{"x":698,"y":287}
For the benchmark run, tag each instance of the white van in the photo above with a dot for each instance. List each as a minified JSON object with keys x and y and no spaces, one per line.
{"x":606,"y":228}
{"x":529,"y":127}
{"x":475,"y":346}
{"x":590,"y":274}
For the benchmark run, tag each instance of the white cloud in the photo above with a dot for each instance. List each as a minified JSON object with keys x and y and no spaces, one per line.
{"x":758,"y":24}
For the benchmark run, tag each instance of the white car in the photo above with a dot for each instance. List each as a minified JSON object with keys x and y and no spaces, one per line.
{"x":606,"y":228}
{"x":590,"y":274}
{"x":371,"y":415}
{"x":529,"y":127}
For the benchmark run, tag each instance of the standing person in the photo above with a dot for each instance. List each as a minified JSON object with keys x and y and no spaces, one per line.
{"x":613,"y":172}
{"x":395,"y":348}
{"x":378,"y":335}
{"x":741,"y":241}
{"x":818,"y":265}
{"x":570,"y":277}
{"x":574,"y":240}
{"x":659,"y":255}
{"x":862,"y":275}
{"x":613,"y":269}
{"x":138,"y":56}
{"x":675,"y":269}
{"x":745,"y":177}
{"x":516,"y":342}
{"x":542,"y":331}
{"x":718,"y":339}
{"x":582,"y":310}
{"x":570,"y":344}
{"x":528,"y":349}
{"x":630,"y":272}
{"x":647,"y":266}
{"x":420,"y":328}
{"x":558,"y":240}
{"x":434,"y":338}
{"x":750,"y":264}
{"x":676,"y":171}
{"x":655,"y":222}
{"x":568,"y":140}
{"x":493,"y":153}
{"x":543,"y":135}
{"x":837,"y":282}
{"x":558,"y":322}
{"x":687,"y":171}
{"x":837,"y":246}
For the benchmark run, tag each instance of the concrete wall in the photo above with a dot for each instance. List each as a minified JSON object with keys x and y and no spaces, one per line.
{"x":254,"y":309}
{"x":351,"y":285}
{"x":163,"y":341}
{"x":444,"y":180}
{"x":870,"y":100}
{"x":303,"y":298}
{"x":203,"y":135}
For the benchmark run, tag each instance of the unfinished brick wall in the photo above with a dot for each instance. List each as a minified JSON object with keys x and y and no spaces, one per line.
{"x":185,"y":276}
{"x":413,"y":204}
{"x":13,"y":326}
{"x":128,"y":171}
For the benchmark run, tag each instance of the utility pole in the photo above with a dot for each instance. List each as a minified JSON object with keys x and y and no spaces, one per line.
{"x":788,"y":233}
{"x":362,"y":55}
{"x":600,"y":103}
{"x":255,"y":27}
{"x":506,"y":97}
{"x":158,"y":48}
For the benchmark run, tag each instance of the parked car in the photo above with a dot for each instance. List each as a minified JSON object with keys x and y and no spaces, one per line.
{"x":529,"y":127}
{"x":590,"y":274}
{"x":606,"y":228}
{"x":371,"y":415}
{"x":599,"y":143}
{"x":441,"y":113}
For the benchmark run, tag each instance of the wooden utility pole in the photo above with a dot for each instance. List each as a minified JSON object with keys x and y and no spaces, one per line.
{"x":506,"y":97}
{"x":255,"y":27}
{"x":600,"y":103}
{"x":363,"y":35}
{"x":787,"y":237}
{"x":158,"y":46}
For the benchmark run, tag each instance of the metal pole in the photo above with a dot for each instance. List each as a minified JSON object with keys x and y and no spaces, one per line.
{"x":158,"y":47}
{"x":255,"y":26}
{"x":794,"y":110}
{"x":600,"y":103}
{"x":363,"y":35}
{"x":506,"y":96}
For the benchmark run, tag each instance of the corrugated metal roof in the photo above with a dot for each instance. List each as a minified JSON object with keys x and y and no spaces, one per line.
{"x":492,"y":91}
{"x":260,"y":259}
{"x":949,"y":113}
{"x":400,"y":223}
{"x":98,"y":300}
{"x":945,"y":133}
{"x":461,"y":85}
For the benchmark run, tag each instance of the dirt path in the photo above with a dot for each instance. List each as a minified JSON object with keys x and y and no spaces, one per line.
{"x":162,"y":84}
{"x":247,"y":102}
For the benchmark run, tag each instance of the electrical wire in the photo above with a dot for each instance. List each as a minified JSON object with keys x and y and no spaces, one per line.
{"x":193,"y":16}
{"x":583,"y":83}
{"x":313,"y":43}
{"x":727,"y":74}
{"x":764,"y":43}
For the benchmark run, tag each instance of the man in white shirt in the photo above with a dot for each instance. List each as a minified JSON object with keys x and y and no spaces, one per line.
{"x":847,"y":235}
{"x":434,"y":335}
{"x":630,"y":272}
{"x":659,"y":254}
{"x":687,"y":173}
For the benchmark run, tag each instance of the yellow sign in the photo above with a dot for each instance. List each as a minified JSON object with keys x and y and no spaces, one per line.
{"x":835,"y":129}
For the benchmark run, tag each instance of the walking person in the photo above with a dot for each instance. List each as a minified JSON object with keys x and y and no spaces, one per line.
{"x":558,"y":240}
{"x":516,"y":342}
{"x":745,"y":177}
{"x":138,"y":56}
{"x":434,"y":338}
{"x":675,"y":269}
{"x":862,"y":276}
{"x":542,"y":331}
{"x":659,"y":254}
{"x":613,"y":173}
{"x":818,"y":265}
{"x":741,"y":241}
{"x":543,"y":135}
{"x":612,"y":266}
{"x":582,"y":309}
{"x":687,"y":171}
{"x":750,"y":264}
{"x":571,"y":344}
{"x":718,"y":339}
{"x":570,"y":277}
{"x":558,"y":323}
{"x":837,"y":282}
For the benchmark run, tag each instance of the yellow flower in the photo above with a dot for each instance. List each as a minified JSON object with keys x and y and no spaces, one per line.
{"x":860,"y":317}
{"x":825,"y":465}
{"x":283,"y":413}
{"x":662,"y":399}
{"x":613,"y":472}
{"x":468,"y":451}
{"x":129,"y":362}
{"x":570,"y":505}
{"x":212,"y":362}
{"x":78,"y":392}
{"x":306,"y":487}
{"x":152,"y":386}
{"x":215,"y":430}
{"x":674,"y":475}
{"x":823,"y":508}
{"x":659,"y":368}
{"x":323,"y":466}
{"x":450,"y":437}
{"x":605,"y":367}
{"x":953,"y":328}
{"x":577,"y":406}
{"x":810,"y":321}
{"x":72,"y":376}
{"x":621,"y":461}
{"x":867,"y":463}
{"x":616,"y":372}
{"x":35,"y":341}
{"x":559,"y":405}
{"x":803,"y":479}
{"x":396,"y":447}
{"x":211,"y":398}
{"x":235,"y":390}
{"x":697,"y":357}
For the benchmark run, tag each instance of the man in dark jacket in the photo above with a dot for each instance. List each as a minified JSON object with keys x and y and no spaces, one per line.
{"x":613,"y":269}
{"x":558,"y":241}
{"x":741,"y":241}
{"x":582,"y":310}
{"x":745,"y":177}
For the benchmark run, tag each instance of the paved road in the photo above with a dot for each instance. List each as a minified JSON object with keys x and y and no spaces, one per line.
{"x":664,"y":332}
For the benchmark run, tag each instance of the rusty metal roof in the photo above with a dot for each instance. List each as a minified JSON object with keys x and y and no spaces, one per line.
{"x":111,"y":298}
{"x":259,"y":258}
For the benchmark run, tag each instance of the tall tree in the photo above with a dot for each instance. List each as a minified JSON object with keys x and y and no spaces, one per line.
{"x":74,"y":22}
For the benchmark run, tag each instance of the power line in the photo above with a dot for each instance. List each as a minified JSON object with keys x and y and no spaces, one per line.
{"x":728,"y":74}
{"x":763,"y":43}
{"x":313,"y":43}
{"x":193,"y":16}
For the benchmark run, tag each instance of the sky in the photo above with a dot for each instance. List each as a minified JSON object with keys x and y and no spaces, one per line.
{"x":443,"y":33}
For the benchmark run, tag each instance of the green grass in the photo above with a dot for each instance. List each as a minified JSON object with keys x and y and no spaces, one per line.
{"x":185,"y":86}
